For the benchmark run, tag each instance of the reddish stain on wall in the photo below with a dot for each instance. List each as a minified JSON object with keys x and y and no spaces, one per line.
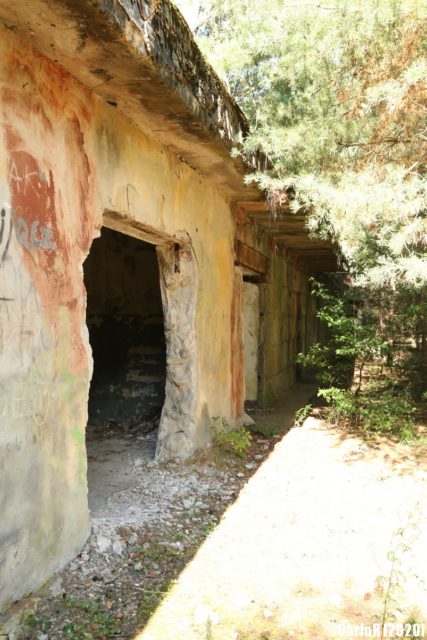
{"x":33,"y":203}
{"x":75,"y":140}
{"x":51,"y":186}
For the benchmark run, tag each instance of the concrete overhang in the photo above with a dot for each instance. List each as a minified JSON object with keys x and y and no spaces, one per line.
{"x":289,"y":233}
{"x":140,"y":57}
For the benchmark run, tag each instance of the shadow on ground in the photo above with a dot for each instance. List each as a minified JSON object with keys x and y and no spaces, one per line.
{"x":326,"y":533}
{"x":148,"y":521}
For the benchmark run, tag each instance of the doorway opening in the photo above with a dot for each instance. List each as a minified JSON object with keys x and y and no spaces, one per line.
{"x":127,"y":336}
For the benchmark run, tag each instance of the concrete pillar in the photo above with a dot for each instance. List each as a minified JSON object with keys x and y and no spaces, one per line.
{"x":251,"y":338}
{"x":237,"y":354}
{"x":179,"y":284}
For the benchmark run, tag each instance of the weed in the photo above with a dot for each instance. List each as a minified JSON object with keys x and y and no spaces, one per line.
{"x":158,"y":552}
{"x":207,"y":528}
{"x":236,"y":442}
{"x":41,"y":623}
{"x":302,"y":414}
{"x":391,"y":585}
{"x":152,"y":599}
{"x":87,"y":620}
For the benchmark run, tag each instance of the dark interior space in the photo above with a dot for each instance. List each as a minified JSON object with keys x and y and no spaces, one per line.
{"x":125,"y":321}
{"x":126,"y":332}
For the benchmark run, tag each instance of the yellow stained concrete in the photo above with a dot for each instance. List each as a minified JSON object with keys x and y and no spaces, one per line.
{"x":65,"y":158}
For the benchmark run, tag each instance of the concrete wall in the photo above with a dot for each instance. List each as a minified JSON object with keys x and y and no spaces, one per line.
{"x":287,"y":315}
{"x":288,"y":326}
{"x":126,"y":329}
{"x":66,"y":157}
{"x":251,"y":338}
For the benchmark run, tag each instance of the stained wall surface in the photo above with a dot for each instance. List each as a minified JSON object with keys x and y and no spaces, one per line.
{"x":67,"y":160}
{"x":66,"y":157}
{"x":251,"y":338}
{"x":287,"y":315}
{"x":288,"y":326}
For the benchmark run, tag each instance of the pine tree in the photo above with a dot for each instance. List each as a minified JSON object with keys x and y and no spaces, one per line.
{"x":336,"y":94}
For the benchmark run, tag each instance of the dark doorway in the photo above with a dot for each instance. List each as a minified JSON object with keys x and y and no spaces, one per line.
{"x":126,"y":331}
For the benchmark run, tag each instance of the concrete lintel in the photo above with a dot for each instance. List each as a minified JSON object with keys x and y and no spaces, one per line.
{"x":141,"y":58}
{"x":139,"y":230}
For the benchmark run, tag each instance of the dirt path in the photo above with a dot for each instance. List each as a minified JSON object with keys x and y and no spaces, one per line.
{"x":307,"y":547}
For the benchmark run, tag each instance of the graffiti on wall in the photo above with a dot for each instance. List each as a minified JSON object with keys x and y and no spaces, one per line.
{"x":31,"y":401}
{"x":27,"y":221}
{"x":5,"y":233}
{"x":31,"y":235}
{"x":17,"y":342}
{"x":31,"y":214}
{"x":36,"y":236}
{"x":27,"y":336}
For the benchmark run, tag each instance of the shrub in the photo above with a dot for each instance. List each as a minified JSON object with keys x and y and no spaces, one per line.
{"x":377,"y":413}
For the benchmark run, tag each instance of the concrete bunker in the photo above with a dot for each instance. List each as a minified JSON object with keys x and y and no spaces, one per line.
{"x":153,"y":166}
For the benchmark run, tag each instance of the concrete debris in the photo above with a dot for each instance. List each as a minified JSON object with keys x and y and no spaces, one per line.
{"x":103,"y":543}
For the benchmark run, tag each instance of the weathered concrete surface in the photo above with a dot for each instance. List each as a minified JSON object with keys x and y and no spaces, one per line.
{"x":66,"y":157}
{"x":288,"y":326}
{"x":141,"y":57}
{"x":251,"y":338}
{"x":180,"y":430}
{"x":44,"y":368}
{"x":287,"y":318}
{"x":237,"y":347}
